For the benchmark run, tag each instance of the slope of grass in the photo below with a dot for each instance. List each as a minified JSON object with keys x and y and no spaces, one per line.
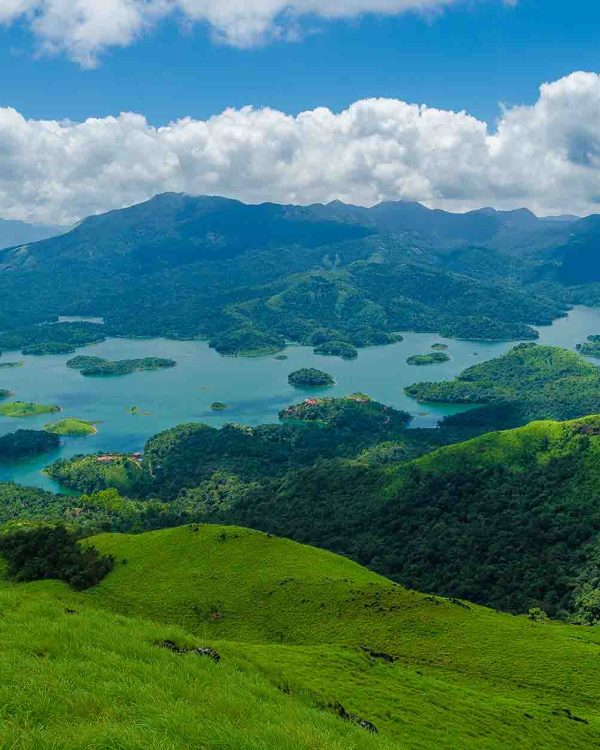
{"x":73,"y":677}
{"x":461,"y":675}
{"x":72,"y":427}
{"x":23,"y":409}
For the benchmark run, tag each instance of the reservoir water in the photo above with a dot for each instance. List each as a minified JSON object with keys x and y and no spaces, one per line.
{"x":253,"y":388}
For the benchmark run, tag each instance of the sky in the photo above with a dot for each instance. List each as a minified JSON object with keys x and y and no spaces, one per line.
{"x":455,"y":103}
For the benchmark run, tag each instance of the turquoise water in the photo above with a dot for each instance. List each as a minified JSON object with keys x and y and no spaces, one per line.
{"x":254,"y":388}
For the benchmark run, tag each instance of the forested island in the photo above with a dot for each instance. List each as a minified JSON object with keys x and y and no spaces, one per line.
{"x":26,"y":443}
{"x":310,"y":377}
{"x":591,"y":348}
{"x":10,"y":365}
{"x":432,"y":358}
{"x":247,"y":341}
{"x":98,"y":366}
{"x":218,"y":406}
{"x":341,"y":349}
{"x":51,"y":338}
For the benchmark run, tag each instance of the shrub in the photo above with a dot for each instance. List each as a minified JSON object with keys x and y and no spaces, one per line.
{"x":46,"y":552}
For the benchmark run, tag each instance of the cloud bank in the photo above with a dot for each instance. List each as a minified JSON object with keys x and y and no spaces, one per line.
{"x":545,"y":156}
{"x":84,"y":28}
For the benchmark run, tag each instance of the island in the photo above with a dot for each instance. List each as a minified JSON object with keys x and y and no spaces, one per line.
{"x":218,"y":406}
{"x":433,"y":358}
{"x":439,"y":347}
{"x":484,"y":328}
{"x":83,"y":361}
{"x":591,"y":348}
{"x":247,"y":341}
{"x":341,"y":349}
{"x":310,"y":377}
{"x":357,"y":412}
{"x":48,"y":347}
{"x":53,"y":334}
{"x":23,"y":409}
{"x":137,"y":411}
{"x":98,"y":366}
{"x":10,"y":365}
{"x":71,"y":427}
{"x":26,"y":443}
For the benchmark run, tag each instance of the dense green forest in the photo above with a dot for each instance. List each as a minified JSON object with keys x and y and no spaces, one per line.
{"x":510,"y":519}
{"x":25,"y":443}
{"x":188,"y":455}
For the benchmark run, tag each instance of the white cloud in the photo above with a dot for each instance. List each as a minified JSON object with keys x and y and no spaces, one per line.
{"x":545,"y":156}
{"x":84,"y":28}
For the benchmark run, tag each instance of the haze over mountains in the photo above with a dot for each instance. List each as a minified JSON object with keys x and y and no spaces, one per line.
{"x":19,"y":232}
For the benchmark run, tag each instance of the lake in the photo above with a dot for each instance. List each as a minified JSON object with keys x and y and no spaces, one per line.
{"x":255,"y":389}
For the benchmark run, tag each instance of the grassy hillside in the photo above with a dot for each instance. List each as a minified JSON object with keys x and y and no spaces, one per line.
{"x":304,"y":637}
{"x":73,"y":676}
{"x":427,"y":672}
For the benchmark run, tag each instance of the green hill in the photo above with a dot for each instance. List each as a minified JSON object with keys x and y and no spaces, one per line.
{"x":301,"y":634}
{"x":528,"y":382}
{"x":509,"y":519}
{"x":74,"y":676}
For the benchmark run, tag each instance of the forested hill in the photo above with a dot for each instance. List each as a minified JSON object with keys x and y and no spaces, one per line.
{"x":249,"y":277}
{"x":509,"y":519}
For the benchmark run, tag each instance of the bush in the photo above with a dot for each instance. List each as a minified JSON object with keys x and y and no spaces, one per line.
{"x":46,"y":552}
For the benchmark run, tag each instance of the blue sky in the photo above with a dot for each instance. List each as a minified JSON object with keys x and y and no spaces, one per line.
{"x":335,"y":95}
{"x":470,"y":57}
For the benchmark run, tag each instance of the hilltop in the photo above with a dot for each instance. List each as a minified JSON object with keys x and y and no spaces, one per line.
{"x":305,"y":638}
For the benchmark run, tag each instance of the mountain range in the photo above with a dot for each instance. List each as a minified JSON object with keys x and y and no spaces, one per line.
{"x":248,"y":277}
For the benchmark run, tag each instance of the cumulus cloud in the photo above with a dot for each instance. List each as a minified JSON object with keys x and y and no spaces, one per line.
{"x":545,"y":156}
{"x":84,"y":28}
